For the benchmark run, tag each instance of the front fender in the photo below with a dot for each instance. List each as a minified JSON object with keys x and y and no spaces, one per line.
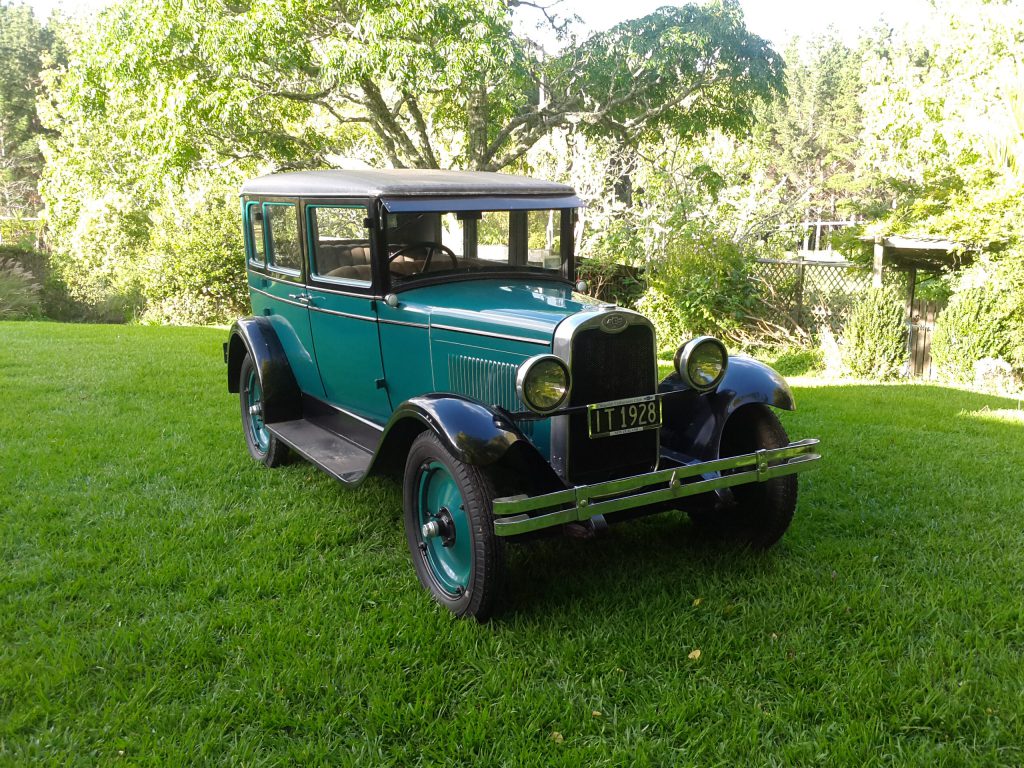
{"x":694,"y":422}
{"x":282,"y":399}
{"x":472,"y":432}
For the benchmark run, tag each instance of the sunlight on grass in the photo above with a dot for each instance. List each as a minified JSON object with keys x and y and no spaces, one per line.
{"x":1006,"y":415}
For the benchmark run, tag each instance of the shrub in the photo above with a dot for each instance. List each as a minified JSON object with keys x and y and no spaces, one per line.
{"x":194,"y":271}
{"x":874,"y":338}
{"x":610,"y":281}
{"x":982,"y":321}
{"x":662,"y":311}
{"x":702,"y":286}
{"x":96,"y":252}
{"x":797,"y":361}
{"x":19,"y":293}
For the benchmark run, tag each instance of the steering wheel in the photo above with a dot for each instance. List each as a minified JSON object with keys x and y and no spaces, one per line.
{"x":430,"y":248}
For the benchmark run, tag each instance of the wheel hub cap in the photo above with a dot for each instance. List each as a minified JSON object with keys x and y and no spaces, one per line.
{"x":445,"y":539}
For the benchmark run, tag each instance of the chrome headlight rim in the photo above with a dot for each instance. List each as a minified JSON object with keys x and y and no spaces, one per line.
{"x":682,"y":359}
{"x":526,"y":367}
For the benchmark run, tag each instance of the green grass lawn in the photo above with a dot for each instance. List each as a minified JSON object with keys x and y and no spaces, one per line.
{"x":166,"y":601}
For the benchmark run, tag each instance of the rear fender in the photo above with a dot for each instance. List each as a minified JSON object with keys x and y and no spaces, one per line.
{"x":282,"y":399}
{"x":694,"y":422}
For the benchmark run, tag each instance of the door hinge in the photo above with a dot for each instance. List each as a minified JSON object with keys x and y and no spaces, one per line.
{"x":381,"y":384}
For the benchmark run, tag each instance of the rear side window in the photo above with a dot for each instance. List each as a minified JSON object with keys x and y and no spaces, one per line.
{"x":254,"y":216}
{"x":283,"y":250}
{"x":339,"y":244}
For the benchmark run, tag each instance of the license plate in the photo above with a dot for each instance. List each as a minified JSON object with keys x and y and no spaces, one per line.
{"x":620,"y":417}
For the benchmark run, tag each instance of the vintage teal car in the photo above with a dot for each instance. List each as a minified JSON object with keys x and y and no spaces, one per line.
{"x":426,"y":324}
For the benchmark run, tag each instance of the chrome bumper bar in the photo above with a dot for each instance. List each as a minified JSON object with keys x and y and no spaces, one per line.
{"x":523,"y":514}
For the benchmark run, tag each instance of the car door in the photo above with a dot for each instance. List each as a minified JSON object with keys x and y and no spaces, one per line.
{"x":276,"y":284}
{"x":343,"y":312}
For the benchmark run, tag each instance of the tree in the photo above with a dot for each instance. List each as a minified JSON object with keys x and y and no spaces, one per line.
{"x":943,"y":137}
{"x":167,"y":96}
{"x":416,"y":84}
{"x":24,"y":45}
{"x":809,"y":140}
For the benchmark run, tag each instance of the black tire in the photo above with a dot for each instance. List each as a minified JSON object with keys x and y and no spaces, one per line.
{"x":263,"y":446}
{"x":473,"y":583}
{"x":761,"y":512}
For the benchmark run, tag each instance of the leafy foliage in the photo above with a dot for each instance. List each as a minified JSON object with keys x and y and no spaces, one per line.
{"x":702,"y":287}
{"x":416,"y":84}
{"x":943,"y":140}
{"x":19,"y":293}
{"x":163,"y":99}
{"x":612,"y":282}
{"x":984,"y":319}
{"x":798,"y":362}
{"x":25,"y":48}
{"x":808,"y":140}
{"x":874,"y":338}
{"x":193,"y":273}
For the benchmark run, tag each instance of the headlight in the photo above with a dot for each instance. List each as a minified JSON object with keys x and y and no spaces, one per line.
{"x":542,"y":383}
{"x":701,"y":363}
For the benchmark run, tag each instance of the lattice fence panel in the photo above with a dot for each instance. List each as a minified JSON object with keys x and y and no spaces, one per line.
{"x":814,"y":295}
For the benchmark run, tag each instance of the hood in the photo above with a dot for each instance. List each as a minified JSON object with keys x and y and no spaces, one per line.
{"x":530,"y":309}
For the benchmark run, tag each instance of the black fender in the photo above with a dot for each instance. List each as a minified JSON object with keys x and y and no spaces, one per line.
{"x":472,"y":432}
{"x":693,"y":422}
{"x":282,"y":399}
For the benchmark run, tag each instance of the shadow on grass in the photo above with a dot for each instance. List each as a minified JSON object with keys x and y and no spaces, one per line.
{"x":884,"y":446}
{"x":664,"y":552}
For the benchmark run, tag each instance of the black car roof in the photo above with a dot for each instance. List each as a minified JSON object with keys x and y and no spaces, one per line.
{"x":400,"y":183}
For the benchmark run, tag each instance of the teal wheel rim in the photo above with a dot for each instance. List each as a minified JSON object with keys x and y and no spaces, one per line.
{"x":449,"y":557}
{"x":254,"y":402}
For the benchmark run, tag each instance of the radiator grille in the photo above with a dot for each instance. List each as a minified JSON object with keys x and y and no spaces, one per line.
{"x":489,"y":381}
{"x":609,"y":366}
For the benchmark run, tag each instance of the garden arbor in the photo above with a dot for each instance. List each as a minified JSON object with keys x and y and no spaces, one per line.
{"x":912,"y":255}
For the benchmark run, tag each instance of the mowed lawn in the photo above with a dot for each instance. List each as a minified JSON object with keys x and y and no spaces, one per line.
{"x":166,"y":601}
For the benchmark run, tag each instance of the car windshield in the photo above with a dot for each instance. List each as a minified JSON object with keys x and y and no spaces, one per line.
{"x":471,"y":242}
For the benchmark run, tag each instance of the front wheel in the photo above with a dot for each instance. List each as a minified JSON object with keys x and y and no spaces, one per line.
{"x":450,"y":530}
{"x":761,"y":512}
{"x":263,"y":446}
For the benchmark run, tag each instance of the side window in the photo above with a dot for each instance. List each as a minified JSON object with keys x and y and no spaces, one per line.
{"x":254,"y":235}
{"x":283,"y":227}
{"x":339,"y":244}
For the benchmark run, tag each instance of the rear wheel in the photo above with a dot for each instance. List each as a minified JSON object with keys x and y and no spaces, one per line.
{"x":263,"y":446}
{"x":450,"y":530}
{"x":761,"y":512}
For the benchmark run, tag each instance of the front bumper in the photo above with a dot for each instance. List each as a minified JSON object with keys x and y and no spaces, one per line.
{"x":523,"y":514}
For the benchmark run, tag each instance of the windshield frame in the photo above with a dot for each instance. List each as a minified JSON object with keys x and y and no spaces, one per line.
{"x":565,"y":206}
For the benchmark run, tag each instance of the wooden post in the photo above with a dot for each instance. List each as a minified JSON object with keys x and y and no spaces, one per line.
{"x":911,"y":331}
{"x":799,"y":297}
{"x":876,"y":271}
{"x":911,"y":287}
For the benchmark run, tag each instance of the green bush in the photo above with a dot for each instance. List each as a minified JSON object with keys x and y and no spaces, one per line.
{"x":661,"y":310}
{"x":174,"y":258}
{"x":53,"y":294}
{"x":702,"y":286}
{"x":19,"y":292}
{"x":797,"y":361}
{"x":874,"y":337}
{"x":194,"y":273}
{"x":610,"y":281}
{"x":96,"y":252}
{"x":983,"y":319}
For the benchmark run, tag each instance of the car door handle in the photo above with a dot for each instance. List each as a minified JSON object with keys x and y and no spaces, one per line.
{"x":300,"y":297}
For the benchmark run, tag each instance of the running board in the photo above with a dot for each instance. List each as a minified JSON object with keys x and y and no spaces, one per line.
{"x":341,"y":459}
